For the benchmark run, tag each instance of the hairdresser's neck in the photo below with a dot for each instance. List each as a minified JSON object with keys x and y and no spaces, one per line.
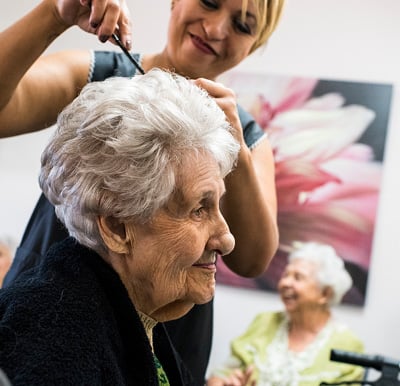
{"x":162,"y":60}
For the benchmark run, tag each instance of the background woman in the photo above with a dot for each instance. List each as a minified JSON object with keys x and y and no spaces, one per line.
{"x":205,"y":39}
{"x":292,"y":347}
{"x":135,"y":171}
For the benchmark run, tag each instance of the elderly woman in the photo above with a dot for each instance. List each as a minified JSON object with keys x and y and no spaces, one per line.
{"x":292,"y":348}
{"x":205,"y":38}
{"x":135,"y":171}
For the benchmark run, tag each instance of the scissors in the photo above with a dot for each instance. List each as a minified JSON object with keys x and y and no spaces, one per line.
{"x":123,"y":48}
{"x":127,"y":53}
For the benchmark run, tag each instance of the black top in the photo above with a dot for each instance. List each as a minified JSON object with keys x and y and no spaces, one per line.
{"x":192,"y":334}
{"x":70,"y":321}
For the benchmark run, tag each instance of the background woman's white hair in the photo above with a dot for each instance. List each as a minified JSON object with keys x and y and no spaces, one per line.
{"x":119,"y":144}
{"x":331,"y":271}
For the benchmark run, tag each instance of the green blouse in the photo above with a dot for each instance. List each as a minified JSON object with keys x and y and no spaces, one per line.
{"x":265,"y":346}
{"x":162,"y":376}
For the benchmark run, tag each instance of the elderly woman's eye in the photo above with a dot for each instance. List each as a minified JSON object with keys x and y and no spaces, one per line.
{"x":299,"y":276}
{"x":199,"y":211}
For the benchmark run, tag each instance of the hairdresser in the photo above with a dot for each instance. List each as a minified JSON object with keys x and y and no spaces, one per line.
{"x":205,"y":39}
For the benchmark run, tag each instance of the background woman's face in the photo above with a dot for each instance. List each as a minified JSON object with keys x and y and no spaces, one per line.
{"x":173,"y":262}
{"x":208,"y":37}
{"x":298,"y":287}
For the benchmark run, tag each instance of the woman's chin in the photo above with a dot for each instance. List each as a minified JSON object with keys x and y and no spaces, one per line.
{"x":201,"y":286}
{"x":180,"y":307}
{"x":202,"y":294}
{"x":173,"y":311}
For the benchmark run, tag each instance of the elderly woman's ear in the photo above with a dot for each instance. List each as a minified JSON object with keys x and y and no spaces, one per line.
{"x":114,"y":234}
{"x":327,"y":295}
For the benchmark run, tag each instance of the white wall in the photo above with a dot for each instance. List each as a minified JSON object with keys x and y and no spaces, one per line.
{"x":344,"y":40}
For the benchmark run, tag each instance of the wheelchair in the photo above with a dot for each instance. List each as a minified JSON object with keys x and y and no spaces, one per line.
{"x":388,"y":369}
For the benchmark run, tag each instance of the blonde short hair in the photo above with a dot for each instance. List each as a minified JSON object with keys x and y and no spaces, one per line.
{"x":268,"y":13}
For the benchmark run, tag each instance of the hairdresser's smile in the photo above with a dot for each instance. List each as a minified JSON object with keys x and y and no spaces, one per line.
{"x":202,"y":45}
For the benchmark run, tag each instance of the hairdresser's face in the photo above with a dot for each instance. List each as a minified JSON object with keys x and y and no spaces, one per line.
{"x":299,"y":289}
{"x":173,"y":265}
{"x":208,"y":37}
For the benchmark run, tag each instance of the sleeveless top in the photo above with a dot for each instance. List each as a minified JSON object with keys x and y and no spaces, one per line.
{"x":191,"y":334}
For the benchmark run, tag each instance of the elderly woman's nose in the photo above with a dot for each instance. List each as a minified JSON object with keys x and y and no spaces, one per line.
{"x":227,"y":243}
{"x":221,"y":238}
{"x":285,"y":280}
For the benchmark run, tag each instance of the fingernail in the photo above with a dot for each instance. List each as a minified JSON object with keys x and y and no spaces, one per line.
{"x":104,"y":38}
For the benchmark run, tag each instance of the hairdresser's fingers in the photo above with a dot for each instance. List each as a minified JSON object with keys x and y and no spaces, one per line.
{"x":100,"y":17}
{"x":226,"y":100}
{"x":111,"y":16}
{"x":125,"y":25}
{"x":98,"y":9}
{"x":104,"y":16}
{"x":215,"y":89}
{"x":224,"y":96}
{"x":87,"y":14}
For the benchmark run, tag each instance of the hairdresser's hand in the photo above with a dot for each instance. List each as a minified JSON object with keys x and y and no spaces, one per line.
{"x":226,"y":100}
{"x":236,"y":378}
{"x":100,"y":17}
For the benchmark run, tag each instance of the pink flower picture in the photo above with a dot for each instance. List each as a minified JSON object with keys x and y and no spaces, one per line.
{"x":328,"y":140}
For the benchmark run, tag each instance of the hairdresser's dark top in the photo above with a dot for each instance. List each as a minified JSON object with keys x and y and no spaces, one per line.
{"x":191,"y":334}
{"x":70,"y":321}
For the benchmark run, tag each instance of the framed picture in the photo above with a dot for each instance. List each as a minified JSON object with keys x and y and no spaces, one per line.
{"x":328,"y":139}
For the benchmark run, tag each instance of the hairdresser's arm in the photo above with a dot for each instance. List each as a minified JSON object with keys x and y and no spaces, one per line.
{"x":250,"y":205}
{"x":35,"y":88}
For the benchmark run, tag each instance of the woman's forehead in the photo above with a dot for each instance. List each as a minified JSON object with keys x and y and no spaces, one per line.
{"x":304,"y":266}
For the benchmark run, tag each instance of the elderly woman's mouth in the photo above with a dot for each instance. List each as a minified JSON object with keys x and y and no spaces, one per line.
{"x":206,"y":265}
{"x":210,"y":262}
{"x":286,"y":299}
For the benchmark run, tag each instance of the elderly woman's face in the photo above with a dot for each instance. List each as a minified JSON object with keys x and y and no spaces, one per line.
{"x":298,"y":287}
{"x":172,"y":266}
